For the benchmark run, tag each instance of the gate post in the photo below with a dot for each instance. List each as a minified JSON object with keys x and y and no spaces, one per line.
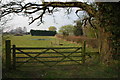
{"x":8,"y":54}
{"x":83,"y":51}
{"x":14,"y":57}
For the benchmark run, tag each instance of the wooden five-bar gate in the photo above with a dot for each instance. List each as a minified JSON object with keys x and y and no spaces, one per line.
{"x":19,"y":56}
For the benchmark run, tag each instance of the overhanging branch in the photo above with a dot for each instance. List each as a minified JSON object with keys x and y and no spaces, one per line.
{"x":31,"y":8}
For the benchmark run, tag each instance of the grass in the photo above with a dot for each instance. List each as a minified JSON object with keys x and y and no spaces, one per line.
{"x":83,"y":71}
{"x":89,"y":70}
{"x":28,"y":41}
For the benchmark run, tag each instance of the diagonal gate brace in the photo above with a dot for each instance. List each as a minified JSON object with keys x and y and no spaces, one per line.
{"x":31,"y":57}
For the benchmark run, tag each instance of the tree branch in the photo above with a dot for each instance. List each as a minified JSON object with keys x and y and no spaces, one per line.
{"x":39,"y":17}
{"x":30,"y":8}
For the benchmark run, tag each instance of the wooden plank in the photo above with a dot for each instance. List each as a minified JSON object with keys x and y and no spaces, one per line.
{"x":14,"y":57}
{"x":48,"y":52}
{"x":83,"y":52}
{"x":46,"y":61}
{"x":48,"y":48}
{"x":8,"y":54}
{"x":49,"y":57}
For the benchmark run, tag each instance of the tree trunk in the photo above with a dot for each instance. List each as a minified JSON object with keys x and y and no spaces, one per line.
{"x":104,"y":46}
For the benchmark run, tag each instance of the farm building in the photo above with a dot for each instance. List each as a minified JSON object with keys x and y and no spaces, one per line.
{"x":42,"y":33}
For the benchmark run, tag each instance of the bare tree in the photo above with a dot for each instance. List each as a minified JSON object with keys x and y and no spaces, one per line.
{"x":45,"y":7}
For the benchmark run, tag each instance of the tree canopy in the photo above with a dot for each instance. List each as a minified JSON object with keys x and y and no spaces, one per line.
{"x":52,"y":28}
{"x":67,"y":29}
{"x":78,"y":31}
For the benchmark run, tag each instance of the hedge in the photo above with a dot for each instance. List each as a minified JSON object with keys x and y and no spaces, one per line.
{"x":42,"y":33}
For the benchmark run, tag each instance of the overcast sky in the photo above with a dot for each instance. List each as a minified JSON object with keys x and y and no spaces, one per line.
{"x":58,"y":19}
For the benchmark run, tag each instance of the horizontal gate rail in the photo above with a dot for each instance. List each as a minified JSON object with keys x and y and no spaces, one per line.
{"x":49,"y":57}
{"x":47,"y":52}
{"x":46,"y":61}
{"x":22,"y":48}
{"x":60,"y":65}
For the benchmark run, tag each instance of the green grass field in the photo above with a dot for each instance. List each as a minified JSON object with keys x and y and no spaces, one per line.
{"x":91,"y":69}
{"x":31,"y":41}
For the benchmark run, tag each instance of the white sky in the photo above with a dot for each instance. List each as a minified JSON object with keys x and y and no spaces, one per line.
{"x":59,"y":20}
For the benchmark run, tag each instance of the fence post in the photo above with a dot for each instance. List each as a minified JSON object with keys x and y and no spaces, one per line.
{"x":8,"y":54}
{"x":83,"y":51}
{"x":14,"y":57}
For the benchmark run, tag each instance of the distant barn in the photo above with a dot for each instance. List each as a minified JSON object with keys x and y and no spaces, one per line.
{"x":42,"y":33}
